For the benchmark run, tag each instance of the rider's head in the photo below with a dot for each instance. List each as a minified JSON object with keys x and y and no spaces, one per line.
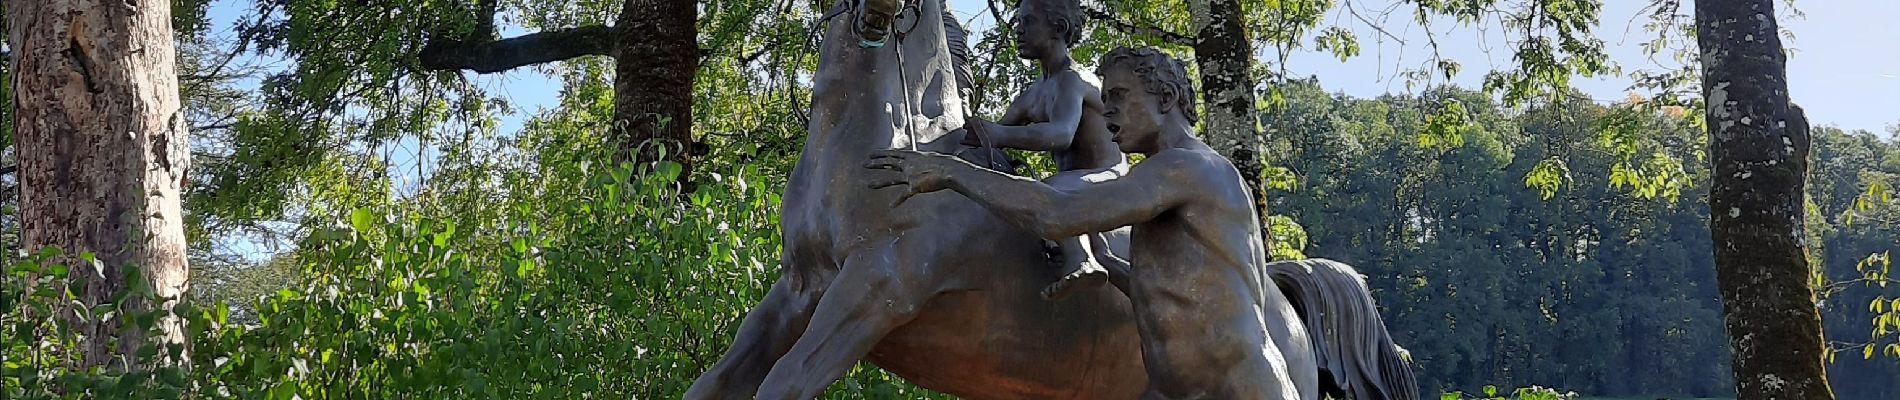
{"x":1143,"y":90}
{"x":1052,"y":22}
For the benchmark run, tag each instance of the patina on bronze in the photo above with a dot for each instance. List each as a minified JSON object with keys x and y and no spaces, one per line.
{"x":937,"y":290}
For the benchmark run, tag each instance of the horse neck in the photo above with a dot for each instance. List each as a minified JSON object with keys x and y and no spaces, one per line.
{"x":859,"y":93}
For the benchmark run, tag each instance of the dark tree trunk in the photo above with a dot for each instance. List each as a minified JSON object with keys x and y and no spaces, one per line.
{"x":102,"y":150}
{"x":1759,"y":142}
{"x":656,"y":54}
{"x":653,"y":80}
{"x":1231,"y":126}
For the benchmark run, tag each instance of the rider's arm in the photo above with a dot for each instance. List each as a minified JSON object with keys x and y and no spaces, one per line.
{"x":1065,"y":116}
{"x":1149,"y":189}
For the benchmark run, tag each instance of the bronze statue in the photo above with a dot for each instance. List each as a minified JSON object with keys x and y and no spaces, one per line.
{"x":938,"y":290}
{"x":1060,"y":113}
{"x":1213,"y":326}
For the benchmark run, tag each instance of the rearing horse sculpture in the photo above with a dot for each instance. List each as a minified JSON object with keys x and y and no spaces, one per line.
{"x":942,"y":292}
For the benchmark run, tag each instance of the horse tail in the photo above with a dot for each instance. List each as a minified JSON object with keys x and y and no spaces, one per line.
{"x":1350,"y":342}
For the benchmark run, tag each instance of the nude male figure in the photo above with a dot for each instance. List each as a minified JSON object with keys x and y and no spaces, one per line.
{"x":1061,"y":114}
{"x":1212,"y":325}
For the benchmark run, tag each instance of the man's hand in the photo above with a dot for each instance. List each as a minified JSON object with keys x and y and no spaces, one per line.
{"x":977,"y":131}
{"x":923,"y":172}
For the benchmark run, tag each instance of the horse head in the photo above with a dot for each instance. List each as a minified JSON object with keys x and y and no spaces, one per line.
{"x":904,"y":59}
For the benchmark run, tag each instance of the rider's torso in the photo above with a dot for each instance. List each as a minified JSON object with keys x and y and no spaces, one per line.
{"x":1092,"y":147}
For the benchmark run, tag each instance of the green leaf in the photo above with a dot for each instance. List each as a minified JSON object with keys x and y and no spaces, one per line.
{"x":669,"y":170}
{"x":284,"y":390}
{"x":146,"y":352}
{"x":362,"y":219}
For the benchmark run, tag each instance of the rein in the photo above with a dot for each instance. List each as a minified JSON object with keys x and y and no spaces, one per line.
{"x":996,"y":157}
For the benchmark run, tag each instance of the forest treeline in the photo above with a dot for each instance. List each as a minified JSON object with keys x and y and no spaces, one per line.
{"x":1599,"y":286}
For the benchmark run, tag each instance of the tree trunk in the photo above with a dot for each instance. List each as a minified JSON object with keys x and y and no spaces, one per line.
{"x":1225,"y":57}
{"x":102,"y":150}
{"x":655,"y":46}
{"x":1759,"y":141}
{"x":653,"y":81}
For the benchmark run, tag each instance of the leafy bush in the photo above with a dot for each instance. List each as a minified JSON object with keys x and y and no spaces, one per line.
{"x":1527,"y":393}
{"x":615,"y":285}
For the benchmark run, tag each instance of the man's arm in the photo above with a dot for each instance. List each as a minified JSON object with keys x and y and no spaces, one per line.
{"x":1149,"y":189}
{"x":1065,"y":116}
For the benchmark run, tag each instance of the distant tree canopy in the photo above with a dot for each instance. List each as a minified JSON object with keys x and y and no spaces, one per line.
{"x":1590,"y":287}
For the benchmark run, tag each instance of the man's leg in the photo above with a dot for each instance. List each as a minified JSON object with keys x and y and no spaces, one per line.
{"x":1080,"y":270}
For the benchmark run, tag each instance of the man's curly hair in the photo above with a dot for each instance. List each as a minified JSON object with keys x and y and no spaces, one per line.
{"x":1159,"y":74}
{"x":1069,"y":11}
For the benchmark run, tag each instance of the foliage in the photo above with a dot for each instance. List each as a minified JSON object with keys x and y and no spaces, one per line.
{"x":1527,"y":393}
{"x":1871,"y":212}
{"x":604,"y":286}
{"x":39,"y":347}
{"x":1487,"y":281}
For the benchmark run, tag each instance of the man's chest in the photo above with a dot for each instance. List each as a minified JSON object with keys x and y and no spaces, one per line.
{"x":1035,"y":103}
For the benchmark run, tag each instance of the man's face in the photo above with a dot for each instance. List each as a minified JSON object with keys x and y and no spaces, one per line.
{"x":1036,"y":34}
{"x":1133,"y":114}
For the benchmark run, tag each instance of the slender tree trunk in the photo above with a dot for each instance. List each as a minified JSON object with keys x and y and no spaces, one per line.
{"x":102,"y":150}
{"x":1231,"y":126}
{"x":1759,"y":141}
{"x":653,"y":80}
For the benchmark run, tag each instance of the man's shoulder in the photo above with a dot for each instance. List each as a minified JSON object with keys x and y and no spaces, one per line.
{"x":1080,"y":80}
{"x":1188,"y":163}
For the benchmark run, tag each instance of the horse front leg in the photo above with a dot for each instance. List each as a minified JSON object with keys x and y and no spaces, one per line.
{"x":877,"y":291}
{"x":767,"y":333}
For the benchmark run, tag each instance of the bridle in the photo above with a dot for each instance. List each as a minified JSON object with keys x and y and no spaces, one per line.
{"x":873,"y":23}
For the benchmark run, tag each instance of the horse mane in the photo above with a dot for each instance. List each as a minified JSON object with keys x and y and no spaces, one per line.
{"x":958,"y":40}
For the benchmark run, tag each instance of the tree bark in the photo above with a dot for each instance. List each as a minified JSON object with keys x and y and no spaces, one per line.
{"x":1231,"y":126}
{"x":653,"y":81}
{"x":102,"y":151}
{"x":1759,"y":141}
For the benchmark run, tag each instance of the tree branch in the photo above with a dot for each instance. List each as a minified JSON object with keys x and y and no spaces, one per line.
{"x":8,"y":170}
{"x":1375,"y":26}
{"x":501,"y":55}
{"x":1132,"y":28}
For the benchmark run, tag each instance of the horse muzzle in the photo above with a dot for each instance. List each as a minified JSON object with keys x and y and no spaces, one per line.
{"x":875,"y":19}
